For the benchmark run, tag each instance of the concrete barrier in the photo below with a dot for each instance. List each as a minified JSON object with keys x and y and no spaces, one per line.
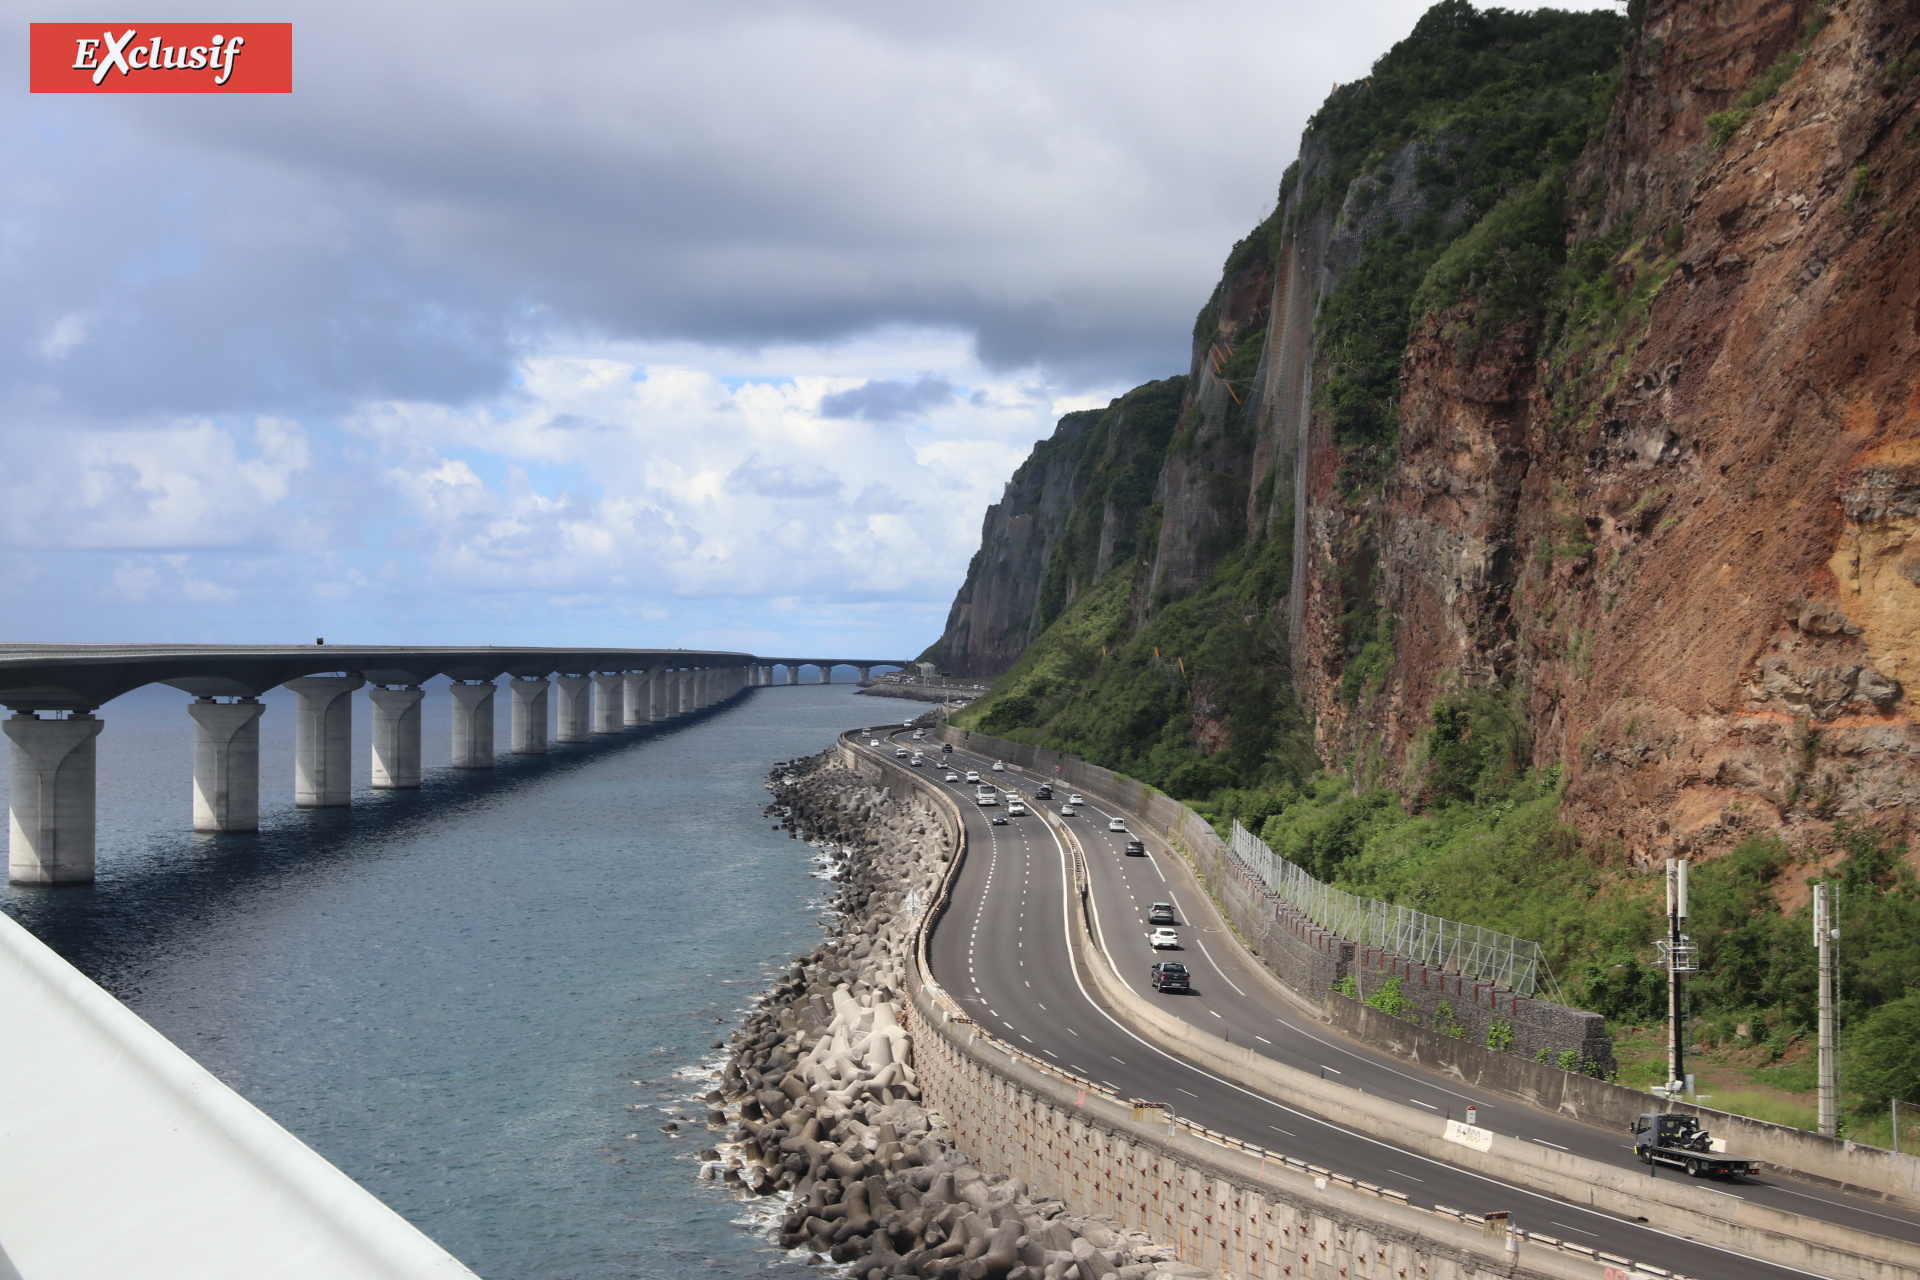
{"x":1234,"y":1208}
{"x":1729,"y":1222}
{"x":1304,"y":961}
{"x":121,"y":1156}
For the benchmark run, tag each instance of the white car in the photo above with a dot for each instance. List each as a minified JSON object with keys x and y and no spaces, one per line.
{"x":999,"y":766}
{"x":1015,"y":809}
{"x":901,"y":753}
{"x":1164,"y":940}
{"x":953,"y":777}
{"x":1114,"y":824}
{"x":973,"y":775}
{"x":1067,"y":811}
{"x":1075,"y":799}
{"x":874,"y":743}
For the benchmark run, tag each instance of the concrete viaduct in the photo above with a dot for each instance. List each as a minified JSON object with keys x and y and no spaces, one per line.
{"x":54,"y":690}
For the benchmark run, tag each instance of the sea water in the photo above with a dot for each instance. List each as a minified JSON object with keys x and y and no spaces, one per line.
{"x":474,"y":998}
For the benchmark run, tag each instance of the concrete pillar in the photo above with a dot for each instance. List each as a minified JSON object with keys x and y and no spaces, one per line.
{"x":527,"y":725}
{"x":573,"y":721}
{"x":793,"y":674}
{"x":472,"y":724}
{"x":50,"y":814}
{"x":323,"y":740}
{"x":396,"y":738}
{"x":633,"y":707}
{"x":826,"y":673}
{"x":606,"y":702}
{"x":226,"y":764}
{"x":753,"y":676}
{"x":655,"y":701}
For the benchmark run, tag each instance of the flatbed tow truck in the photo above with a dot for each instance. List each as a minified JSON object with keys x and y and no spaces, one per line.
{"x":1676,"y":1139}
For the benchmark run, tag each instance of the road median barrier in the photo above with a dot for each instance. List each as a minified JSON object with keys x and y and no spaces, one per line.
{"x":1694,"y":1212}
{"x":1229,"y":1206}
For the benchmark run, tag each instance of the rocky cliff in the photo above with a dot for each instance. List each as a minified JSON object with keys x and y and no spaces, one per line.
{"x":1578,"y":377}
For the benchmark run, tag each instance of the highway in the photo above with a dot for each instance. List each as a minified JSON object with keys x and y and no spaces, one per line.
{"x":1002,"y":952}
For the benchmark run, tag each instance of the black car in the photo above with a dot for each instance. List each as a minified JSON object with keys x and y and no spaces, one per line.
{"x":1162,"y":913}
{"x":1170,"y":975}
{"x":998,"y":819}
{"x":1043,"y":792}
{"x":946,"y":748}
{"x":1135,"y":849}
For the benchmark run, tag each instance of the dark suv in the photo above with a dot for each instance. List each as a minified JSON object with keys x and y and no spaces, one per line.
{"x":1043,"y":792}
{"x":1170,"y":975}
{"x":1135,"y":849}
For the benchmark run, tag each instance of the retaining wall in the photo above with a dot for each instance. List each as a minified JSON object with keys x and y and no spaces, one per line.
{"x":1235,"y":1209}
{"x":1309,"y":961}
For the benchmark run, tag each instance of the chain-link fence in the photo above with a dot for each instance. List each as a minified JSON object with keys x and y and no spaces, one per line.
{"x":1499,"y":958}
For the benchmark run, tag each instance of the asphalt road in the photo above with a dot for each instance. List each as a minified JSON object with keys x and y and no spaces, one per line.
{"x":1002,"y":952}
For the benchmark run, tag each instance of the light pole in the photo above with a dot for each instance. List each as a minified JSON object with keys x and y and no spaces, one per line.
{"x":1825,"y":934}
{"x":1679,"y":955}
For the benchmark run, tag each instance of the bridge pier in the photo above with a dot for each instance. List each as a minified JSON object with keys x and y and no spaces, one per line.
{"x":793,"y":674}
{"x":866,"y":673}
{"x":226,"y":764}
{"x":527,"y":723}
{"x":472,"y":724}
{"x":574,"y":715}
{"x":606,"y":701}
{"x":826,"y":672}
{"x":323,"y":740}
{"x":51,"y":808}
{"x":396,"y":738}
{"x":633,"y":690}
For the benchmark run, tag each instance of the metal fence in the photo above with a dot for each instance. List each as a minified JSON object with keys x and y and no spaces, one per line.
{"x":1499,"y":958}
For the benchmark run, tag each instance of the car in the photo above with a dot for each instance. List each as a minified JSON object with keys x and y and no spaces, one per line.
{"x":1068,"y":811}
{"x":901,"y":753}
{"x":1114,"y":824}
{"x":874,"y":743}
{"x":1161,"y":913}
{"x":999,"y":766}
{"x":953,"y":777}
{"x":973,"y":775}
{"x":1075,"y":799}
{"x":1015,"y":809}
{"x":1164,"y":939}
{"x":998,"y":819}
{"x":1170,"y":975}
{"x":1043,"y":792}
{"x":1135,"y":849}
{"x":946,"y":748}
{"x":916,"y":762}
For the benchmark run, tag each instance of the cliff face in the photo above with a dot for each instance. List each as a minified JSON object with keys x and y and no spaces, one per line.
{"x":1675,"y":521}
{"x":1071,"y":512}
{"x":1649,"y":477}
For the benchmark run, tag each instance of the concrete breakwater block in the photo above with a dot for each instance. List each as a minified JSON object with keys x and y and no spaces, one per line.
{"x":824,"y":1100}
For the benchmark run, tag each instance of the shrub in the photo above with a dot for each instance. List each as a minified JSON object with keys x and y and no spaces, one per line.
{"x":1016,"y":711}
{"x":1500,"y":1036}
{"x":1387,"y":999}
{"x":1445,"y":1022}
{"x":1569,"y":1060}
{"x":1884,"y":1057}
{"x":1199,"y":780}
{"x":1348,"y":987}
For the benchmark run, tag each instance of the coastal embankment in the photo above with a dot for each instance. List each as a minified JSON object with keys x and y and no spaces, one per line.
{"x":822,"y":1095}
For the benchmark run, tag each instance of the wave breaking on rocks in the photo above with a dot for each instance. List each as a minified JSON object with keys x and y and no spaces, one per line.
{"x":819,"y":1085}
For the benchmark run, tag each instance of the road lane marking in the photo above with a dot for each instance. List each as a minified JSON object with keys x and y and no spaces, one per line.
{"x":1429,"y":1106}
{"x":1564,"y":1227}
{"x":1410,"y":1178}
{"x":1542,"y":1141}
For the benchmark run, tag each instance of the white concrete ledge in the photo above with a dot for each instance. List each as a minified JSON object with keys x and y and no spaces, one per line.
{"x":121,"y":1157}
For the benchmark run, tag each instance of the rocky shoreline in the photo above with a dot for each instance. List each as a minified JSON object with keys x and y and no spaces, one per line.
{"x":820,"y":1093}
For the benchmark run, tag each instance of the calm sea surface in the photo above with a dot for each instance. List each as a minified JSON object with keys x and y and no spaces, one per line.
{"x":454,"y":994}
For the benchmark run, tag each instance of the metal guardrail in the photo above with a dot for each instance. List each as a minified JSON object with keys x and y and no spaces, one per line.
{"x":1485,"y":954}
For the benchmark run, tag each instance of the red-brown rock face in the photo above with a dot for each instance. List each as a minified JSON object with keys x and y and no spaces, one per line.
{"x":1691,"y":534}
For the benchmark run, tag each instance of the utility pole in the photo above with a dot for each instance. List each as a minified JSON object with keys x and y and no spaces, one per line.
{"x":1824,"y":935}
{"x":1678,"y":953}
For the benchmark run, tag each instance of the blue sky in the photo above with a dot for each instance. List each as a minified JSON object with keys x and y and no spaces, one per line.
{"x":621,"y":323}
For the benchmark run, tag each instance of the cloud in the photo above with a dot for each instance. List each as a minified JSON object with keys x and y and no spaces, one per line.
{"x":530,"y":322}
{"x":887,"y":400}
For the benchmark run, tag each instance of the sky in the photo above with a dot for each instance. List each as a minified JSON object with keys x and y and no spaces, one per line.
{"x":621,"y":323}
